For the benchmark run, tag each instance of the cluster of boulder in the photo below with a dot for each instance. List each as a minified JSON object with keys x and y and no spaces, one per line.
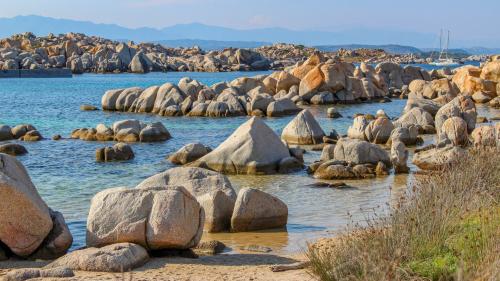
{"x":243,"y":96}
{"x":129,"y":130}
{"x":480,"y":83}
{"x":24,"y":132}
{"x":82,"y":53}
{"x":168,"y":211}
{"x":314,"y":81}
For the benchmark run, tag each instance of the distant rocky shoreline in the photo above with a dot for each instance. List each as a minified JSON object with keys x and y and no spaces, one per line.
{"x":89,"y":54}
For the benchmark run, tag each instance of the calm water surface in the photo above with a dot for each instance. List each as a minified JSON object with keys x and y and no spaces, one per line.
{"x":67,"y":176}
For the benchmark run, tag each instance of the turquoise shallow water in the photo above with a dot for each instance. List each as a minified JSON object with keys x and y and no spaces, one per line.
{"x":67,"y":175}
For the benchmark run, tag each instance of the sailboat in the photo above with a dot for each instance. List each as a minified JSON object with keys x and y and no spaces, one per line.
{"x":443,"y":59}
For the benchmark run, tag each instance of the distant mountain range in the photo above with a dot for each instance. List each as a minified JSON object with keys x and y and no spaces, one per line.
{"x":215,"y":37}
{"x":392,"y":48}
{"x":211,"y":44}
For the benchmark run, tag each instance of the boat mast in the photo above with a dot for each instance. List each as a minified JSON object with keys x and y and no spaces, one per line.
{"x":440,"y":44}
{"x":447,"y":44}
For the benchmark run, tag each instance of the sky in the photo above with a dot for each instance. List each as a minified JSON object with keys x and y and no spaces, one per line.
{"x":466,"y":19}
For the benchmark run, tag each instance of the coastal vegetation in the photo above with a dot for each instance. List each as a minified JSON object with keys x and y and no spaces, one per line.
{"x":446,"y":227}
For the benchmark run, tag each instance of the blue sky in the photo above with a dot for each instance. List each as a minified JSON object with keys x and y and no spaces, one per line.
{"x":466,"y":19}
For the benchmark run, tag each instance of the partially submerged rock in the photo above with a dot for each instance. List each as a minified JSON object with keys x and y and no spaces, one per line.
{"x":27,"y":226}
{"x":24,"y":217}
{"x":117,"y":152}
{"x":379,"y":130}
{"x":189,"y":153}
{"x":256,"y":210}
{"x":303,"y":129}
{"x":360,"y":152}
{"x":129,"y":130}
{"x":399,"y":157}
{"x":357,"y":130}
{"x":253,"y":148}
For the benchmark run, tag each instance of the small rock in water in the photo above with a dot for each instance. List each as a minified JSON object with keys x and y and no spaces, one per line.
{"x":32,"y":135}
{"x":481,"y":119}
{"x":256,"y":248}
{"x":338,"y":185}
{"x":87,"y":107}
{"x":56,"y":137}
{"x":332,"y":112}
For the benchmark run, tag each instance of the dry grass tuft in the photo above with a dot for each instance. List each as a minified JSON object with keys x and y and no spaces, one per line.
{"x":447,"y":227}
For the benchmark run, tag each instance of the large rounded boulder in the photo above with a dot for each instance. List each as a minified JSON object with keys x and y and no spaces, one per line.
{"x":303,"y":129}
{"x":28,"y":228}
{"x":360,"y":152}
{"x":25,"y":219}
{"x":253,"y":148}
{"x":379,"y":130}
{"x":454,"y":130}
{"x":212,"y":190}
{"x":461,"y":106}
{"x":156,"y":218}
{"x":256,"y":210}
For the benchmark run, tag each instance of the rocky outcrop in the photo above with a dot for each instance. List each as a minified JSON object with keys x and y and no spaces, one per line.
{"x":256,"y":210}
{"x":461,"y":106}
{"x":27,"y":225}
{"x":253,"y":148}
{"x":82,"y":53}
{"x":212,"y":190}
{"x":242,"y":96}
{"x":119,"y":257}
{"x":303,"y":129}
{"x":24,"y":132}
{"x":156,"y":218}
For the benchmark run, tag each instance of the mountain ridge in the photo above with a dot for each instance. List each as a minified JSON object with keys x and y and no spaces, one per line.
{"x":219,"y":37}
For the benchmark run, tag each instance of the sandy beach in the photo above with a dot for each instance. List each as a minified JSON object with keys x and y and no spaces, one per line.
{"x":219,"y":267}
